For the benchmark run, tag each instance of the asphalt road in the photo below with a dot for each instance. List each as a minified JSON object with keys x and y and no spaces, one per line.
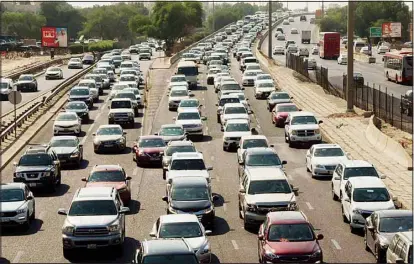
{"x":373,"y":73}
{"x":230,"y":242}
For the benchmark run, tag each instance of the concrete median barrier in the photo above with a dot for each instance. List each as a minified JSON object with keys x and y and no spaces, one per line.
{"x":387,"y":145}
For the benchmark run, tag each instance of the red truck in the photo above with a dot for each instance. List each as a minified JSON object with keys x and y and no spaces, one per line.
{"x":329,"y":45}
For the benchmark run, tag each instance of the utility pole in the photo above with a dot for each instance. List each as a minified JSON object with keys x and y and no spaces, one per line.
{"x":269,"y":52}
{"x":323,"y":10}
{"x":287,"y":5}
{"x":350,"y":64}
{"x":214,"y":19}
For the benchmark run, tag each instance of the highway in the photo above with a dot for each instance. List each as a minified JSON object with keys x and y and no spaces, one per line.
{"x":230,"y":242}
{"x":373,"y":73}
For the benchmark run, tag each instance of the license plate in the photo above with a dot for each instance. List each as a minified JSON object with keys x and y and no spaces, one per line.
{"x":109,"y":145}
{"x":91,"y":246}
{"x":33,"y":184}
{"x":4,"y":220}
{"x":154,"y":158}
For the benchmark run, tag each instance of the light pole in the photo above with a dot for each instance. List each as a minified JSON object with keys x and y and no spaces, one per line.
{"x":269,"y":48}
{"x":214,"y":19}
{"x":350,"y":64}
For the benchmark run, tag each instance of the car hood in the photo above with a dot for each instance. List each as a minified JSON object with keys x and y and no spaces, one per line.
{"x":328,"y":160}
{"x":178,"y":84}
{"x":235,"y":116}
{"x":120,"y":110}
{"x":187,"y":173}
{"x":152,"y":150}
{"x":249,"y":78}
{"x":237,"y":134}
{"x":52,"y":72}
{"x":279,"y":101}
{"x":79,"y":96}
{"x":10,"y":206}
{"x":191,"y":205}
{"x":265,"y":89}
{"x":374,"y":206}
{"x":196,"y":242}
{"x":270,"y":198}
{"x":108,"y":137}
{"x":66,"y":123}
{"x":33,"y":168}
{"x":188,"y":122}
{"x":178,"y":98}
{"x":117,"y":185}
{"x":308,"y":126}
{"x":91,"y":221}
{"x":64,"y":150}
{"x":293,"y":248}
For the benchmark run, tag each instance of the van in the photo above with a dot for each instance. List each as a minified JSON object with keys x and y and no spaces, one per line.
{"x":190,"y":70}
{"x":358,"y":44}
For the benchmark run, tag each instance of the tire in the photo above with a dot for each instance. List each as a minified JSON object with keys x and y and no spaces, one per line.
{"x":343,"y":216}
{"x":291,"y":145}
{"x":67,"y":253}
{"x":388,"y":77}
{"x":28,"y":223}
{"x":218,"y":119}
{"x":246,"y":226}
{"x":334,"y":196}
{"x":59,"y":180}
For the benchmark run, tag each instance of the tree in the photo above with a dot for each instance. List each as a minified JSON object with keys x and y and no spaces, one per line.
{"x":225,"y":14}
{"x":24,"y":25}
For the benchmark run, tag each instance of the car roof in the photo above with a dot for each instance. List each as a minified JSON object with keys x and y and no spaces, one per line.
{"x":366,"y":182}
{"x":190,"y":181}
{"x":394,"y":213}
{"x":12,"y":185}
{"x":181,"y":143}
{"x":95,"y":192}
{"x":285,"y":104}
{"x":187,"y":155}
{"x":237,"y":121}
{"x":284,"y":217}
{"x":178,"y":88}
{"x":249,"y":137}
{"x":320,"y":146}
{"x":301,"y":113}
{"x":166,"y":247}
{"x":104,"y":126}
{"x":150,"y":137}
{"x":266,"y":173}
{"x":356,"y":163}
{"x":233,"y":105}
{"x":107,"y":168}
{"x":67,"y":113}
{"x":121,"y":99}
{"x":264,"y":74}
{"x":178,"y":218}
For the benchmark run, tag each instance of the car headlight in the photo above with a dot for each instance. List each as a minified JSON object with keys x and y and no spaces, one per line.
{"x":205,"y":249}
{"x":19,"y":175}
{"x":294,"y":132}
{"x":21,"y":211}
{"x":121,"y":140}
{"x":174,"y":211}
{"x":114,"y":228}
{"x":75,"y":154}
{"x":46,"y":174}
{"x":317,"y":131}
{"x":251,"y":207}
{"x":226,"y":138}
{"x":207,"y":210}
{"x":111,"y":115}
{"x":270,"y":254}
{"x":130,"y":114}
{"x":320,"y":166}
{"x":68,"y":230}
{"x":357,"y":211}
{"x":316,"y":254}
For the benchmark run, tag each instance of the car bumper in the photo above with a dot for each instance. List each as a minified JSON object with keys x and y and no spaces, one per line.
{"x":75,"y":66}
{"x":57,"y":130}
{"x":308,"y":139}
{"x":204,"y":258}
{"x":248,"y":82}
{"x":38,"y":183}
{"x":322,"y":172}
{"x":109,"y":147}
{"x":53,"y":76}
{"x":262,"y":94}
{"x":71,"y":242}
{"x":121,"y":120}
{"x":231,"y":143}
{"x":149,"y":160}
{"x":14,"y":220}
{"x":194,"y":131}
{"x":357,"y":221}
{"x":25,"y":87}
{"x":254,"y":218}
{"x":67,"y":159}
{"x":173,"y":105}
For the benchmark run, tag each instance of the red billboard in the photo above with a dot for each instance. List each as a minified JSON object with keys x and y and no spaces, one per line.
{"x":54,"y":37}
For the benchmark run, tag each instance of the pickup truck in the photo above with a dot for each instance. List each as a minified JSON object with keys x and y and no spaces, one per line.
{"x":121,"y":111}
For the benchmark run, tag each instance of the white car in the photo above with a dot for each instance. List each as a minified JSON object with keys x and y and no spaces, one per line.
{"x":233,"y":111}
{"x":291,"y":19}
{"x":304,"y":52}
{"x":128,"y":95}
{"x":264,"y":76}
{"x":249,"y":77}
{"x":243,"y":99}
{"x":233,"y":130}
{"x":212,"y":73}
{"x":315,"y":50}
{"x":343,"y":59}
{"x":189,"y":103}
{"x":262,"y":89}
{"x":311,"y":63}
{"x":252,"y":141}
{"x":187,"y":164}
{"x":137,"y":94}
{"x":383,"y":49}
{"x":177,"y":94}
{"x":294,"y":31}
{"x":279,"y":50}
{"x":116,"y":89}
{"x":302,"y":127}
{"x":192,"y":121}
{"x":366,"y":51}
{"x":281,"y":36}
{"x":54,"y":73}
{"x":130,"y":80}
{"x":177,"y":80}
{"x":75,"y":63}
{"x":67,"y":123}
{"x":253,"y":66}
{"x":362,"y":196}
{"x":292,"y":48}
{"x":322,"y":159}
{"x":221,"y":80}
{"x":91,"y":84}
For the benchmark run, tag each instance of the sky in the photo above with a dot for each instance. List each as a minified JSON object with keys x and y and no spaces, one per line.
{"x":312,"y":5}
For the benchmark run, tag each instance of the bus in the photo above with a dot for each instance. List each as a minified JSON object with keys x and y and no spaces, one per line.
{"x":398,"y":66}
{"x":329,"y":45}
{"x":190,"y":70}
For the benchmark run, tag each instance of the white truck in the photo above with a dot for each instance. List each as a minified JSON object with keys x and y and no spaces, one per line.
{"x":306,"y":36}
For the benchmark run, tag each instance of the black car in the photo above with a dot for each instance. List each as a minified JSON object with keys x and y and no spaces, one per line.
{"x":27,"y":82}
{"x":68,"y":149}
{"x":80,"y":108}
{"x":81,"y":94}
{"x":358,"y":79}
{"x":407,"y":103}
{"x":191,"y":195}
{"x":302,"y":18}
{"x":39,"y":167}
{"x":88,"y":59}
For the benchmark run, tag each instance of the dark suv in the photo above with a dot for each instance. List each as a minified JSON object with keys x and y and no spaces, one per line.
{"x":302,"y":18}
{"x":39,"y":166}
{"x":171,"y":251}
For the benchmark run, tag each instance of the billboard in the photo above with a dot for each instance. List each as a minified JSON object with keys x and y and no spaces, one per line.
{"x":391,"y":30}
{"x":54,"y":37}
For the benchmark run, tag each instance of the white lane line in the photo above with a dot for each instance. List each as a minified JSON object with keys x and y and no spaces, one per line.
{"x":41,"y":215}
{"x":135,"y":172}
{"x":18,"y":256}
{"x":224,"y":207}
{"x":98,"y":115}
{"x":336,"y":244}
{"x":309,"y":206}
{"x":90,"y":129}
{"x":236,"y":247}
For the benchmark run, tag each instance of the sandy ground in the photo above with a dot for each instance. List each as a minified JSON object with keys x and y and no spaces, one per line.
{"x":8,"y":66}
{"x":404,"y":138}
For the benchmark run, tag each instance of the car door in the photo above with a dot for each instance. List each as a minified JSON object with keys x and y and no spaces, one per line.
{"x":372,"y":234}
{"x":346,"y":199}
{"x":309,"y":155}
{"x":397,"y":250}
{"x":337,"y":178}
{"x":263,"y":231}
{"x":243,"y":184}
{"x":242,"y":165}
{"x":391,"y":249}
{"x":30,"y":203}
{"x":119,"y":204}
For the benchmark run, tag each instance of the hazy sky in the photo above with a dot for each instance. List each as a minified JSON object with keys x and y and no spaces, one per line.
{"x":312,"y":5}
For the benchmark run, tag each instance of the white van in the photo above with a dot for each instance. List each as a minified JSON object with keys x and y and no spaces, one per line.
{"x":190,"y":70}
{"x":358,"y":44}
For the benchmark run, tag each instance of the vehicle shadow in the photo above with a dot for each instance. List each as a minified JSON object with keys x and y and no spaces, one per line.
{"x":35,"y":227}
{"x":204,"y":139}
{"x":201,"y":88}
{"x":4,"y":261}
{"x":125,"y":151}
{"x":88,"y":122}
{"x":214,"y":259}
{"x":134,"y":207}
{"x":221,"y":227}
{"x":60,"y":191}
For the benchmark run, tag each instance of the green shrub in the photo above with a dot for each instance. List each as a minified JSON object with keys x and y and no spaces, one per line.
{"x":102,"y":45}
{"x":77,"y":48}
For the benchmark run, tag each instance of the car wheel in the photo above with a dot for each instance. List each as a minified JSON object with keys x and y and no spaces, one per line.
{"x":246,"y":225}
{"x":218,"y":119}
{"x":307,"y":168}
{"x":164,"y":174}
{"x":334,"y":196}
{"x":67,"y":253}
{"x":343,"y":215}
{"x":291,"y":145}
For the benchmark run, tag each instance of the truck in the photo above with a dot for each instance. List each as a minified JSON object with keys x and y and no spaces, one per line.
{"x":306,"y":36}
{"x":329,"y":45}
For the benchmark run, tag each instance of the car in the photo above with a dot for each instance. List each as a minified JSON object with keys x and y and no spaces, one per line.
{"x":294,"y":31}
{"x":291,"y":19}
{"x":312,"y":20}
{"x":358,"y":78}
{"x":233,"y":111}
{"x":303,"y":52}
{"x":195,"y":189}
{"x":68,"y":149}
{"x":292,"y":48}
{"x":366,"y":51}
{"x":220,"y":76}
{"x":103,"y":73}
{"x":184,"y":164}
{"x":91,"y":85}
{"x":75,"y":63}
{"x":95,"y":219}
{"x":110,"y":176}
{"x":67,"y":123}
{"x":277,"y":98}
{"x":361,"y":197}
{"x":188,"y":227}
{"x":289,"y":42}
{"x":121,"y":111}
{"x":278,"y":50}
{"x":343,"y":59}
{"x":261,"y":190}
{"x":322,"y":159}
{"x":53,"y":73}
{"x":228,"y":85}
{"x":211,"y":75}
{"x":286,"y":22}
{"x":246,"y":60}
{"x":192,"y":122}
{"x":165,"y":251}
{"x":280,"y":112}
{"x":263,"y":88}
{"x":27,"y":82}
{"x":189,"y":103}
{"x":144,"y":55}
{"x":251,"y":141}
{"x":380,"y":228}
{"x":88,"y":59}
{"x":125,"y":94}
{"x":177,"y":80}
{"x":224,"y":99}
{"x":6,"y":86}
{"x":130,"y":80}
{"x":383,"y":49}
{"x":38,"y":167}
{"x":311,"y":63}
{"x":288,"y":236}
{"x":315,"y":50}
{"x":249,"y":77}
{"x":99,"y":81}
{"x":259,"y":157}
{"x":116,"y":88}
{"x":109,"y":137}
{"x":233,"y":130}
{"x":177,"y":93}
{"x":148,"y":150}
{"x":403,"y":253}
{"x":279,"y":29}
{"x":302,"y":127}
{"x":137,"y":94}
{"x":82,"y":94}
{"x":171,"y":132}
{"x":281,"y":37}
{"x":251,"y":66}
{"x":175,"y":147}
{"x":17,"y":205}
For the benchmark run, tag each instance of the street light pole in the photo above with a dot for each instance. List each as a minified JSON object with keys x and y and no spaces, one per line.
{"x":269,"y":51}
{"x":214,"y":19}
{"x":350,"y":64}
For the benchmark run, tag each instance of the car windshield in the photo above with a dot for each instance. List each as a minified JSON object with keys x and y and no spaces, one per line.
{"x":79,"y":92}
{"x":77,"y":106}
{"x":193,"y":193}
{"x":269,"y":186}
{"x":180,"y":230}
{"x":177,"y":93}
{"x":396,"y":224}
{"x":188,"y":116}
{"x":171,"y":131}
{"x":176,"y":149}
{"x":303,"y":120}
{"x":64,"y":143}
{"x":171,"y":259}
{"x":66,"y":117}
{"x":254,"y":143}
{"x":126,"y":95}
{"x":54,"y":69}
{"x":127,"y":79}
{"x":107,"y":131}
{"x":239,"y":127}
{"x":265,"y":84}
{"x":178,"y":79}
{"x":126,"y":65}
{"x":190,"y":164}
{"x":75,"y":60}
{"x":129,"y":72}
{"x":119,"y":87}
{"x":357,"y":75}
{"x":241,"y":97}
{"x":229,"y":100}
{"x":86,"y":84}
{"x":371,"y":195}
{"x":250,"y":61}
{"x":11,"y":195}
{"x":107,"y":176}
{"x":287,"y":108}
{"x":93,"y":208}
{"x":269,"y":159}
{"x":290,"y":233}
{"x":230,"y":86}
{"x":358,"y":172}
{"x":120,"y":104}
{"x":214,"y":71}
{"x":151,"y":143}
{"x":328,"y":152}
{"x":189,"y":103}
{"x":40,"y":159}
{"x":116,"y":58}
{"x":250,"y":73}
{"x":236,"y":110}
{"x":264,"y":77}
{"x":187,"y":71}
{"x":25,"y":78}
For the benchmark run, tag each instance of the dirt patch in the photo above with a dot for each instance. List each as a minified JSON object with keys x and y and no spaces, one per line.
{"x":404,"y":138}
{"x":300,"y":77}
{"x":343,"y":115}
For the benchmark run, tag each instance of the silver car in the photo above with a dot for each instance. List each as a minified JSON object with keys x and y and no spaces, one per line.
{"x":171,"y":132}
{"x":175,"y":147}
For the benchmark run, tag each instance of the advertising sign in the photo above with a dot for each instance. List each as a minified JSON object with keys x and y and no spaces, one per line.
{"x":375,"y":32}
{"x":391,"y":30}
{"x":54,"y":37}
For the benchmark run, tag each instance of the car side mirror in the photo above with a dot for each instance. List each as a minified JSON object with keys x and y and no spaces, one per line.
{"x":128,"y":178}
{"x":156,"y":134}
{"x":295,"y":189}
{"x":124,"y":133}
{"x":29,"y":197}
{"x":93,"y":134}
{"x":209,"y":168}
{"x":260,"y":236}
{"x":174,"y":118}
{"x":165,"y":199}
{"x":253,"y":130}
{"x":83,"y":179}
{"x":62,"y":211}
{"x":395,"y":198}
{"x":200,"y":105}
{"x":15,"y":163}
{"x":124,"y":210}
{"x":204,"y":118}
{"x":319,"y":236}
{"x":209,"y":232}
{"x":286,"y":122}
{"x":216,"y":104}
{"x":291,"y":97}
{"x":383,"y":177}
{"x":109,"y":107}
{"x":320,"y":122}
{"x":250,"y":112}
{"x":242,"y":190}
{"x":56,"y":162}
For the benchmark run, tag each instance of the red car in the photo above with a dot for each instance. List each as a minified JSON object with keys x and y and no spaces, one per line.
{"x":281,"y":111}
{"x":148,"y":150}
{"x":287,"y":236}
{"x":110,"y":176}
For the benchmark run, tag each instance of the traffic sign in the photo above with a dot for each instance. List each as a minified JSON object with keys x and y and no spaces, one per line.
{"x":15,"y":97}
{"x":375,"y":32}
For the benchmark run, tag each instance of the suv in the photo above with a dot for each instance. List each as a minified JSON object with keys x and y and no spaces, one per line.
{"x":401,"y":248}
{"x":260,"y":157}
{"x":191,"y":121}
{"x":69,"y":149}
{"x":39,"y":166}
{"x":298,"y":243}
{"x":302,"y":127}
{"x":252,"y":141}
{"x":302,"y":18}
{"x":187,"y":164}
{"x":109,"y":137}
{"x":263,"y":190}
{"x":233,"y":131}
{"x":165,"y":251}
{"x":121,"y":110}
{"x":95,"y":219}
{"x":289,"y":42}
{"x":175,"y":147}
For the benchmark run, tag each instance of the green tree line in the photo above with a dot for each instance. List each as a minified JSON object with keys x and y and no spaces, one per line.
{"x":225,"y":14}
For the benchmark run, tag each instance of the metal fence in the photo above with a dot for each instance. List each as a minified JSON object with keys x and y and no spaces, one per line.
{"x":297,"y":64}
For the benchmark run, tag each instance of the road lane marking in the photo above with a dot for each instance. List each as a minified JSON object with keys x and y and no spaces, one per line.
{"x":98,"y":115}
{"x":224,"y":207}
{"x":18,"y":256}
{"x":236,"y":247}
{"x":135,"y":172}
{"x":309,"y":206}
{"x":336,"y":244}
{"x":90,"y":129}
